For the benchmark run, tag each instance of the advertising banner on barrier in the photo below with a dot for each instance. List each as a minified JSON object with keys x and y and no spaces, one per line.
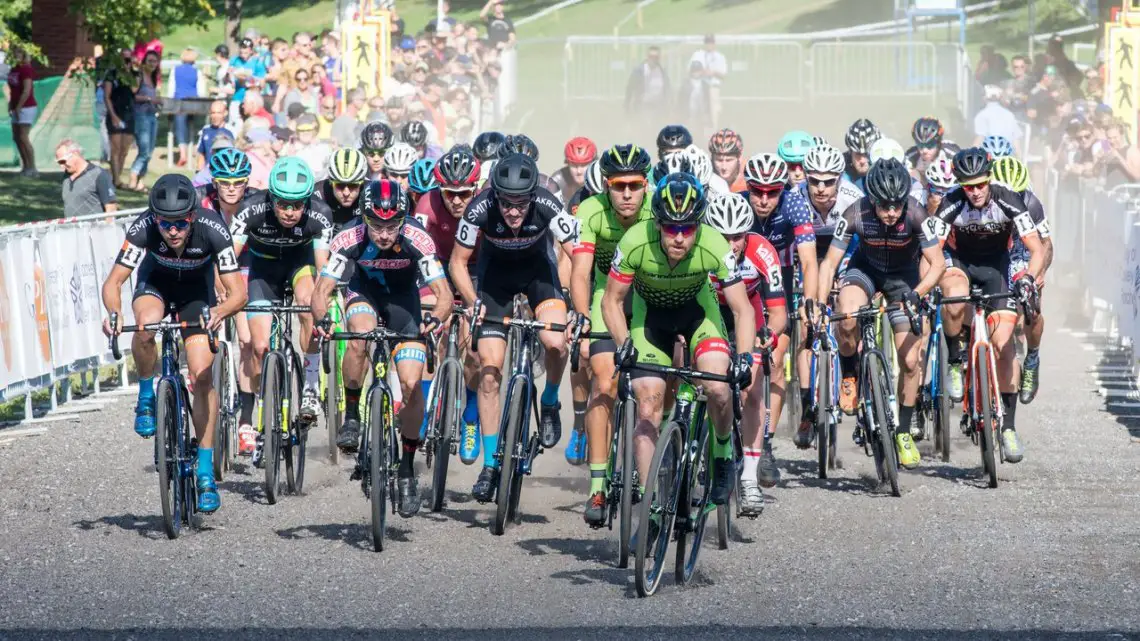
{"x":26,"y":316}
{"x":105,"y":243}
{"x":1128,"y":314}
{"x":10,"y":368}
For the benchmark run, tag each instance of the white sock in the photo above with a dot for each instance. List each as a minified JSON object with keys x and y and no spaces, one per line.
{"x":751,"y":462}
{"x":312,"y":371}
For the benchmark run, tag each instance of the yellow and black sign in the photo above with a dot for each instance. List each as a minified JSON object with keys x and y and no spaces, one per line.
{"x":1123,"y":81}
{"x":361,"y":63}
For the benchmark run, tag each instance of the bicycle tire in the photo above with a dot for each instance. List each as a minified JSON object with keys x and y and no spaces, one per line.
{"x":509,"y":465}
{"x":220,"y":375}
{"x":272,"y":381}
{"x":663,"y":474}
{"x":187,"y":454}
{"x":698,"y":483}
{"x":942,"y":404}
{"x":378,"y":410}
{"x":298,"y":429}
{"x":169,"y":481}
{"x":333,"y":415}
{"x":823,"y":443}
{"x":628,"y":474}
{"x":723,"y":515}
{"x":888,"y":459}
{"x":792,"y":409}
{"x":988,"y":426}
{"x":446,"y":416}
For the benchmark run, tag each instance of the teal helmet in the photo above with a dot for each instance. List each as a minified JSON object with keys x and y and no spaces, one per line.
{"x":291,"y":179}
{"x":794,"y":146}
{"x":229,"y":163}
{"x":422,"y":177}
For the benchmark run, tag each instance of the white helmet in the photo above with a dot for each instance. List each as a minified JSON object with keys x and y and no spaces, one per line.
{"x":940,"y":174}
{"x":700,"y":162}
{"x":887,"y":148}
{"x":824,"y":159}
{"x":729,"y":214}
{"x":819,"y":140}
{"x":594,"y":183}
{"x":400,"y":157}
{"x":766,"y":169}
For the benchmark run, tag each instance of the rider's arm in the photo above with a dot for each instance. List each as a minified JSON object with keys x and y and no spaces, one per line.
{"x":239,"y":228}
{"x":444,"y":298}
{"x":319,"y":303}
{"x":460,"y":276}
{"x":736,"y":296}
{"x":845,"y":229}
{"x":620,"y":279}
{"x":130,"y":256}
{"x":431,"y":274}
{"x":113,"y":288}
{"x":800,"y":217}
{"x":933,"y":255}
{"x":581,"y":268}
{"x":777,"y":316}
{"x":320,"y":217}
{"x":235,"y":297}
{"x":1014,"y":207}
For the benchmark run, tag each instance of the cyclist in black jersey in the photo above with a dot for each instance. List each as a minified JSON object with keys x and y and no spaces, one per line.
{"x":177,"y":246}
{"x":348,"y":169}
{"x":516,"y":220}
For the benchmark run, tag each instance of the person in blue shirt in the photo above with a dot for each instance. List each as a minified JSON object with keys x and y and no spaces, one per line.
{"x":185,"y":86}
{"x":248,"y":72}
{"x":215,"y":126}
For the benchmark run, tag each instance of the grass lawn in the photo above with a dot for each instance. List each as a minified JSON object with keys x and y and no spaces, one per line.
{"x":30,"y":199}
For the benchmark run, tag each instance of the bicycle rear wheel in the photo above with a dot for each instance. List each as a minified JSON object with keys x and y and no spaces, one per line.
{"x":658,"y":508}
{"x":225,"y":431}
{"x":942,"y":404}
{"x":792,"y":409}
{"x":272,"y":388}
{"x":445,"y":415}
{"x":169,"y":479}
{"x":513,"y":453}
{"x":823,"y":441}
{"x":887,"y":456}
{"x":379,"y":411}
{"x":694,"y":507}
{"x":333,"y":415}
{"x":298,"y":430}
{"x":627,"y":473}
{"x":988,"y":428}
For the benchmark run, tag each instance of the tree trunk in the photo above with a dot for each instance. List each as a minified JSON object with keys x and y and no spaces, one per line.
{"x":233,"y":24}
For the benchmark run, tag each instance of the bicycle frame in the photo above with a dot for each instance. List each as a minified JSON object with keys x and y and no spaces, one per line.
{"x":936,"y":330}
{"x":980,"y":343}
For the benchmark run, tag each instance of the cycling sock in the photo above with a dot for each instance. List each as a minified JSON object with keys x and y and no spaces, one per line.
{"x":146,"y":388}
{"x":751,"y":462}
{"x":246,"y":399}
{"x":471,"y":410}
{"x":408,"y":458}
{"x":580,"y":415}
{"x":312,"y":371}
{"x":1009,"y":404}
{"x":906,"y":416}
{"x":352,"y":403}
{"x":425,"y":387}
{"x":205,"y":462}
{"x":806,"y":401}
{"x":1032,"y":358}
{"x":550,"y":394}
{"x":848,"y":365}
{"x":490,"y":448}
{"x":722,"y":448}
{"x":953,"y":350}
{"x":598,"y":477}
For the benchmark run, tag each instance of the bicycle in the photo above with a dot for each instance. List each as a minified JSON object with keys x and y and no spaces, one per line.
{"x":284,"y":435}
{"x":175,"y":447}
{"x":791,"y":364}
{"x":823,"y":381}
{"x":224,"y":374}
{"x":934,"y":396}
{"x":332,"y":355}
{"x":444,"y":405}
{"x":378,"y":455}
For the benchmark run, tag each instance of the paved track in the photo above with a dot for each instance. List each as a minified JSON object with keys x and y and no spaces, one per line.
{"x":1054,"y":553}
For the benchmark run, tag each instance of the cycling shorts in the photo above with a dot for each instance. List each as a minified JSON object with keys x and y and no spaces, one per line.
{"x":500,"y":282}
{"x":990,"y":273}
{"x":185,"y":294}
{"x":655,"y":329}
{"x":598,"y":324}
{"x":894,"y":287}
{"x":268,"y":278}
{"x":398,"y":311}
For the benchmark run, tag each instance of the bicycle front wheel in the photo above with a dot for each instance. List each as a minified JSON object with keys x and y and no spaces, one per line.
{"x":823,"y":441}
{"x":272,"y":390}
{"x":792,"y":409}
{"x":988,"y":426}
{"x":942,"y":404}
{"x":694,"y":507}
{"x":513,"y":454}
{"x":379,"y":422}
{"x":628,"y":475}
{"x":166,"y":452}
{"x":332,"y":396}
{"x":225,"y":430}
{"x":298,"y":431}
{"x":887,"y":458}
{"x":658,"y":511}
{"x":445,"y":416}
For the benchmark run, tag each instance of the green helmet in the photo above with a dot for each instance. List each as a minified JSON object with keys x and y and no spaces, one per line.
{"x":794,"y":146}
{"x":291,"y":179}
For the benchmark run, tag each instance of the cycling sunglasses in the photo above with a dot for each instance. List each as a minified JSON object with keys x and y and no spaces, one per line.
{"x":289,"y":205}
{"x":976,"y":186}
{"x":180,"y":224}
{"x":822,"y":182}
{"x":373,"y":153}
{"x":461,"y":193}
{"x":515,"y":202}
{"x":898,"y":205}
{"x":795,"y":166}
{"x":339,"y":186}
{"x":622,"y":184}
{"x":937,"y":191}
{"x":232,"y":183}
{"x":683,"y":230}
{"x":769,"y":191}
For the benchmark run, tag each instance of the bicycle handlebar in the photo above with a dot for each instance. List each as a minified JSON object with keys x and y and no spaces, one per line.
{"x":279,"y":309}
{"x":161,"y":326}
{"x":385,"y":334}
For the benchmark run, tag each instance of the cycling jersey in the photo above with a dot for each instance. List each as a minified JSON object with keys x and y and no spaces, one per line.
{"x":576,"y":200}
{"x":849,"y":174}
{"x":1019,"y":253}
{"x":208,"y":243}
{"x":340,"y":215}
{"x":600,"y":231}
{"x":257,"y":225}
{"x":914,"y":160}
{"x":890,"y":249}
{"x":566,"y":188}
{"x":789,"y":225}
{"x":545,"y":217}
{"x":974,"y":234}
{"x":824,"y":222}
{"x":208,"y":197}
{"x":433,"y":215}
{"x":759,"y":269}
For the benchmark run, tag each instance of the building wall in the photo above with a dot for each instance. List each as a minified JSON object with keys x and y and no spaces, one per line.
{"x":59,"y":33}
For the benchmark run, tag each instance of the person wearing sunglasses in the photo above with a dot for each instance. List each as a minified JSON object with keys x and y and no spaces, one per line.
{"x":668,"y":262}
{"x":671,"y":139}
{"x":977,"y":223}
{"x":603,"y":220}
{"x":375,"y":139}
{"x":578,"y":153}
{"x":791,"y":149}
{"x":382,"y":256}
{"x":518,"y":222}
{"x":177,"y":245}
{"x":861,"y":135}
{"x":893,"y":237}
{"x":348,"y":169}
{"x":592,"y":184}
{"x":727,"y":151}
{"x":229,"y":182}
{"x":929,"y":145}
{"x":784,"y":218}
{"x":398,"y":162}
{"x":282,"y":238}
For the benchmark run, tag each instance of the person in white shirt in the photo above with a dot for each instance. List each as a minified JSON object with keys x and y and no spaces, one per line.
{"x":714,"y":68}
{"x":996,"y":120}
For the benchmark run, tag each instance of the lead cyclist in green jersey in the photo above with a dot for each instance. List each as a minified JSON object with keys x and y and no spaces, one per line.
{"x":668,"y":261}
{"x":603,"y":220}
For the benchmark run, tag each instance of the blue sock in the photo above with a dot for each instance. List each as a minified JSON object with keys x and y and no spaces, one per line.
{"x":425,"y":386}
{"x":146,"y":388}
{"x":490,"y":448}
{"x":471,"y":410}
{"x":550,"y":394}
{"x":205,"y":462}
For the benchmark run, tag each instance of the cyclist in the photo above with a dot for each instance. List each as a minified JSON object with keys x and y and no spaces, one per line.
{"x":375,"y":139}
{"x":176,"y":244}
{"x":929,"y":145}
{"x":671,"y":139}
{"x":522,"y":144}
{"x":784,"y":218}
{"x":759,"y":268}
{"x":892,"y":237}
{"x":886,"y":148}
{"x":667,"y":261}
{"x":389,"y":252}
{"x":487,"y":147}
{"x":348,"y":169}
{"x":579,"y":153}
{"x":421,"y":179}
{"x":727,"y":150}
{"x":701,"y":163}
{"x":977,"y":222}
{"x":675,"y":163}
{"x":287,"y":232}
{"x":860,"y":136}
{"x":997,"y":147}
{"x":398,"y":161}
{"x":791,"y":149}
{"x":516,"y":219}
{"x":939,"y":181}
{"x":415,"y":133}
{"x":603,"y":220}
{"x":1014,"y":174}
{"x":592,"y":185}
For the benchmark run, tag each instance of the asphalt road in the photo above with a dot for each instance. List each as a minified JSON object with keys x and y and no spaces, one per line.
{"x":1053,"y":553}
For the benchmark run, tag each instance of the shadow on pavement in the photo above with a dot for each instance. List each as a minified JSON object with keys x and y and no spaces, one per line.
{"x":149,"y":526}
{"x":804,"y":474}
{"x":358,"y":535}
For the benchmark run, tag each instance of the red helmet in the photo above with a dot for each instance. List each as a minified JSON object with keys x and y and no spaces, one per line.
{"x":726,"y":142}
{"x":581,"y":151}
{"x":383,"y":201}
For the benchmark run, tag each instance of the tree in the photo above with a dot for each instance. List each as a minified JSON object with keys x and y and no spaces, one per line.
{"x":16,"y":26}
{"x":119,"y":24}
{"x":233,"y":23}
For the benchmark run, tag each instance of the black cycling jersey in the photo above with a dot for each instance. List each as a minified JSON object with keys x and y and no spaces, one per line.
{"x":582,"y":194}
{"x":946,"y":150}
{"x":546,"y":216}
{"x":341,"y":215}
{"x":208,"y":243}
{"x":974,"y":234}
{"x":889,"y":249}
{"x":207,"y":196}
{"x":257,"y":225}
{"x":410,"y":260}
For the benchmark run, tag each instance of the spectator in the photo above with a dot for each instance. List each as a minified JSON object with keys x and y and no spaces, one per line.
{"x":248,"y":72}
{"x":185,"y":86}
{"x":375,"y":109}
{"x":257,"y":143}
{"x":448,"y":21}
{"x":996,"y":72}
{"x":1065,"y":68}
{"x":253,"y":106}
{"x":278,"y":56}
{"x":221,"y":141}
{"x":647,"y":92}
{"x":302,"y":93}
{"x":1019,"y":86}
{"x":120,"y":102}
{"x":87,"y":188}
{"x":996,"y":120}
{"x":213,"y":128}
{"x":331,"y":61}
{"x":319,"y":79}
{"x":223,"y":83}
{"x":326,"y":117}
{"x":692,"y":101}
{"x":1042,"y":103}
{"x":307,"y":147}
{"x":346,"y":128}
{"x":101,"y":61}
{"x":146,"y":119}
{"x":1080,"y":153}
{"x":22,"y":109}
{"x":302,"y":59}
{"x":714,"y":67}
{"x":395,"y":114}
{"x":500,"y":29}
{"x":1122,"y":159}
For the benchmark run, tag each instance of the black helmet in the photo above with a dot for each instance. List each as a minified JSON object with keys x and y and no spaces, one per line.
{"x":515,"y":175}
{"x":384,"y":201}
{"x":624,"y":159}
{"x":488,"y":145}
{"x":414,"y":133}
{"x":376,"y":135}
{"x":888,"y":181}
{"x":672,"y":164}
{"x":861,"y":135}
{"x":972,"y":165}
{"x":673,"y":137}
{"x":458,"y":167}
{"x":172,"y":196}
{"x":678,"y":202}
{"x":927,"y":131}
{"x":521,"y":144}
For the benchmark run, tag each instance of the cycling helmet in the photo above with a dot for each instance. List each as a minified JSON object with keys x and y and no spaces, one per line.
{"x":886,"y":148}
{"x":794,"y":146}
{"x":940,"y":174}
{"x":172,"y":196}
{"x":927,"y":131}
{"x":824,"y":159}
{"x":347,"y":166}
{"x":422,"y":179}
{"x":971,"y":165}
{"x":291,"y":179}
{"x":376,"y":135}
{"x":682,"y":176}
{"x":861,"y":135}
{"x":580,"y":151}
{"x":700,"y":162}
{"x":594,"y":181}
{"x":229,"y":163}
{"x":515,"y":175}
{"x":488,"y":145}
{"x":729,"y":214}
{"x":624,"y":159}
{"x":765,"y":169}
{"x":1011,"y":172}
{"x":997,"y":146}
{"x":400,"y":157}
{"x":457,"y":168}
{"x":678,"y":202}
{"x":887,"y":182}
{"x":726,"y":142}
{"x":521,"y":144}
{"x":384,"y":201}
{"x":414,"y":133}
{"x":819,"y":140}
{"x":673,"y":137}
